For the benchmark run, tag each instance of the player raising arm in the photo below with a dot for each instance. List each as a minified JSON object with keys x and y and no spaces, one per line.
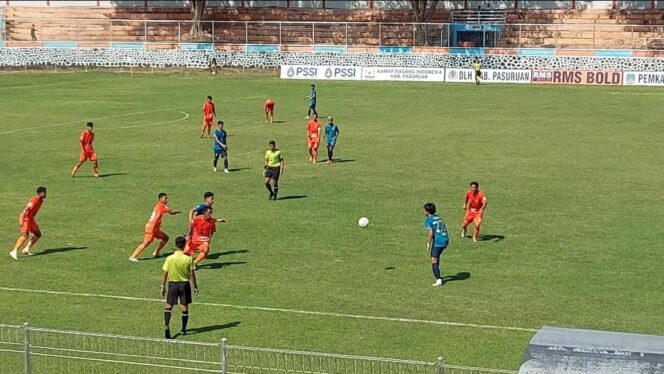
{"x":153,"y":228}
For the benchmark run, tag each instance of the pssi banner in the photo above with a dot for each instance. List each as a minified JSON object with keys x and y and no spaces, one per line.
{"x":605,"y":78}
{"x":321,"y":72}
{"x":488,"y":76}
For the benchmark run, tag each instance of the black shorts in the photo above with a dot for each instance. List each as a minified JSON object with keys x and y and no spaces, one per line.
{"x":178,"y":293}
{"x":478,"y":73}
{"x":220,"y":152}
{"x":273,"y":172}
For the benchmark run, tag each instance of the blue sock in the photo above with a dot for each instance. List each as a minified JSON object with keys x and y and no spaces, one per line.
{"x":436,"y":270}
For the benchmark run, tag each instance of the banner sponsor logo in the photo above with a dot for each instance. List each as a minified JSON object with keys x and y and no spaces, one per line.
{"x":404,"y":74}
{"x":632,"y":78}
{"x":488,"y":76}
{"x":607,"y":78}
{"x":321,"y":72}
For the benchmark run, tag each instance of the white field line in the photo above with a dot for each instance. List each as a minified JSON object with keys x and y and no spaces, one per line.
{"x":279,"y":310}
{"x":50,"y":84}
{"x":82,"y":121}
{"x":185,"y":116}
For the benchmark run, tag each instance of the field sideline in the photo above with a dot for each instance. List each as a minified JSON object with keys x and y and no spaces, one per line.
{"x":572,"y":229}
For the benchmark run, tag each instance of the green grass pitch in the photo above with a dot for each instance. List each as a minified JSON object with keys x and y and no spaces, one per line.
{"x":573,"y":177}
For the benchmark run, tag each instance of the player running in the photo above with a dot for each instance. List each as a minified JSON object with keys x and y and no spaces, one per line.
{"x":331,"y":135}
{"x":87,"y":151}
{"x":26,"y":221}
{"x":201,"y":230}
{"x":153,"y":228}
{"x":273,"y":169}
{"x":474,"y":204}
{"x":313,"y":97}
{"x":477,"y":66}
{"x":268,"y":108}
{"x":437,"y":239}
{"x":209,"y":114}
{"x":313,"y":138}
{"x":220,"y":146}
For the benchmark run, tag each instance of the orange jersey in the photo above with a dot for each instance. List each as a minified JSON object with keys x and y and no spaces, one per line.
{"x":32,"y":208}
{"x":269,"y":102}
{"x":87,"y":137}
{"x":154,"y":223}
{"x":313,"y":130}
{"x":475,"y":201}
{"x":202,"y":229}
{"x":208,"y":109}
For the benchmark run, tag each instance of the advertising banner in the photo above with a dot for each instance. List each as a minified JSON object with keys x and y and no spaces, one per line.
{"x":321,"y":72}
{"x":606,"y":78}
{"x":488,"y":76}
{"x":631,"y":78}
{"x":404,"y":74}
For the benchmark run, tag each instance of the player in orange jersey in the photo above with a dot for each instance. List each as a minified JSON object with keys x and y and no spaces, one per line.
{"x":87,"y":151}
{"x":153,"y":228}
{"x":201,"y":230}
{"x":26,"y":221}
{"x":474,"y":205}
{"x":209,"y":114}
{"x":313,"y":137}
{"x":268,"y":108}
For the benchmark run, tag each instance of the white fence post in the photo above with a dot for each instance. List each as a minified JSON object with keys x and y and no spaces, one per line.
{"x":440,"y":369}
{"x":26,"y":349}
{"x":224,"y":356}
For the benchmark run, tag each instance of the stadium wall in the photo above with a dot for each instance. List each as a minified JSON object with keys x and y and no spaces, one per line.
{"x":199,"y":56}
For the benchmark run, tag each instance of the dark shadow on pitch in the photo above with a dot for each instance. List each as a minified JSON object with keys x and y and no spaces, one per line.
{"x":233,"y":170}
{"x":487,"y":238}
{"x":200,"y":330}
{"x":110,"y":175}
{"x":390,"y":268}
{"x":219,"y":265}
{"x":292,"y":197}
{"x":50,"y":251}
{"x":279,"y":122}
{"x":457,"y":277}
{"x":341,"y":161}
{"x":216,"y":255}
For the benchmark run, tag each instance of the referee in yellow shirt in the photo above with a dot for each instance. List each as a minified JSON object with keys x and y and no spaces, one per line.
{"x":273,"y":169}
{"x":178,"y":272}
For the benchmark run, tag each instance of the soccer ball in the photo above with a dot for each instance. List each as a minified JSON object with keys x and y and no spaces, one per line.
{"x":363,"y":222}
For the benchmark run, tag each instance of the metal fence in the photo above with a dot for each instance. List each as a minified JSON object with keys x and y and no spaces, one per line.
{"x":25,"y":349}
{"x":94,"y":32}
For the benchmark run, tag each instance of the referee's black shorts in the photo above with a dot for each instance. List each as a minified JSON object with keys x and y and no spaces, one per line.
{"x":178,"y":293}
{"x":273,"y":172}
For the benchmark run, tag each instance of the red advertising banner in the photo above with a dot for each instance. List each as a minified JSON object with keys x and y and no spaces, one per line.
{"x":603,"y":78}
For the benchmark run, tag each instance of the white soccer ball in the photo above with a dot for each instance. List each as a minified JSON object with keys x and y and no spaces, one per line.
{"x":363,"y":222}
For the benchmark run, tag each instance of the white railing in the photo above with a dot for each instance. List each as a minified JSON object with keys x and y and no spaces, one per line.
{"x":94,"y":33}
{"x":25,"y":349}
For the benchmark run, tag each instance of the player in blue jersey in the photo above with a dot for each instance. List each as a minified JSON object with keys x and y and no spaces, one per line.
{"x":437,"y":239}
{"x":199,"y":209}
{"x":331,"y":135}
{"x":220,"y":147}
{"x":313,"y":97}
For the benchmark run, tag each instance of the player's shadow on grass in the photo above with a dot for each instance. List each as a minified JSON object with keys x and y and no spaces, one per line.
{"x":487,"y":238}
{"x":233,"y":170}
{"x":341,"y":161}
{"x":457,"y":277}
{"x":101,"y":175}
{"x":216,"y":255}
{"x":292,"y":197}
{"x":50,"y":251}
{"x":279,"y":122}
{"x":200,"y":330}
{"x":219,"y":265}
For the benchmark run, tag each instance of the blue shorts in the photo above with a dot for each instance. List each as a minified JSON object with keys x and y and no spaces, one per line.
{"x":312,"y":104}
{"x":219,"y":152}
{"x":331,"y":144}
{"x":437,"y":251}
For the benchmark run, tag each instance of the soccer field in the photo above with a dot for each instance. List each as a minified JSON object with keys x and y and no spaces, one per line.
{"x":572,"y":229}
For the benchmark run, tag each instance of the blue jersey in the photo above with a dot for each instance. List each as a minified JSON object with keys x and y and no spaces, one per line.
{"x":219,"y":135}
{"x":331,"y":133}
{"x":437,"y":226}
{"x":198,"y":209}
{"x":313,"y":96}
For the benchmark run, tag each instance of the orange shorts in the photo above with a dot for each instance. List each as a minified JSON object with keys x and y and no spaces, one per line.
{"x":207,"y":122}
{"x":148,"y":237}
{"x":471,"y":217}
{"x":87,"y":155}
{"x":269,"y":108}
{"x":193,"y":246}
{"x":312,"y":144}
{"x":29,"y":226}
